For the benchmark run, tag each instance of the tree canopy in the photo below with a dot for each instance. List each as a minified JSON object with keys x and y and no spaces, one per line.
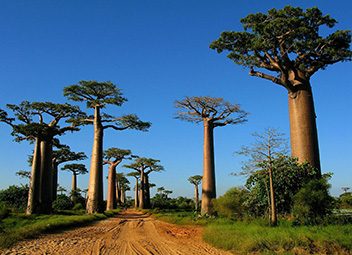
{"x":76,"y":169}
{"x":286,"y":42}
{"x":195,"y":179}
{"x":217,"y":110}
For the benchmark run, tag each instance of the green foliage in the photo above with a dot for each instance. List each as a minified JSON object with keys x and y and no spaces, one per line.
{"x":161,"y":201}
{"x":232,"y":204}
{"x":78,"y":207}
{"x":313,"y":202}
{"x":4,"y":211}
{"x":116,"y":154}
{"x":284,"y":39}
{"x":289,"y":176}
{"x":195,"y":179}
{"x":345,"y":200}
{"x":76,"y":169}
{"x":62,"y":202}
{"x":95,"y":93}
{"x":15,"y":197}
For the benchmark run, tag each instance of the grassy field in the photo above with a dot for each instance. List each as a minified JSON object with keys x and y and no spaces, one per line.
{"x":17,"y":227}
{"x":256,"y":237}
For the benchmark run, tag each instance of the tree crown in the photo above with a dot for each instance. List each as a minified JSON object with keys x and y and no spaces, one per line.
{"x":116,"y":154}
{"x":75,"y":168}
{"x":95,"y":93}
{"x":143,"y":164}
{"x":216,"y":110}
{"x":287,"y":42}
{"x":195,"y":179}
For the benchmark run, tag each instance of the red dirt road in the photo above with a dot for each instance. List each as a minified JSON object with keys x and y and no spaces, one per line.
{"x":129,"y":233}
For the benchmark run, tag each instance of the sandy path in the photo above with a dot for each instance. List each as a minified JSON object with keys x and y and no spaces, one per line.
{"x":128,"y":233}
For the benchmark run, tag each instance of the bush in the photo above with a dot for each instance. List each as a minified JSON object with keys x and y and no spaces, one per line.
{"x":232,"y":203}
{"x":78,"y":207}
{"x":313,"y":203}
{"x":4,"y":211}
{"x":62,"y":202}
{"x":345,"y":200}
{"x":15,"y":197}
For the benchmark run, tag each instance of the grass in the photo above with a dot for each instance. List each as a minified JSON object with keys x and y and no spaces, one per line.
{"x":256,"y":237}
{"x":17,"y":227}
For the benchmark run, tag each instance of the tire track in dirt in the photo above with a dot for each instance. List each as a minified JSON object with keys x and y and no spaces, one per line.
{"x":129,"y":233}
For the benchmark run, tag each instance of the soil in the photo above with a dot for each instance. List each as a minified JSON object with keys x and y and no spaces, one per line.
{"x":130,"y":232}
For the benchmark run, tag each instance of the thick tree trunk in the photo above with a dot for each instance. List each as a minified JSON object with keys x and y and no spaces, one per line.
{"x":136,"y":200}
{"x":55,"y":179}
{"x":95,"y":188}
{"x":46,"y":172}
{"x":208,"y":183}
{"x":142,"y":192}
{"x":196,"y":197}
{"x":111,"y":196}
{"x":74,"y":183}
{"x":34,"y":186}
{"x":273,"y":218}
{"x":118,"y":193}
{"x":123,"y":198}
{"x":303,"y":130}
{"x":147,"y":191}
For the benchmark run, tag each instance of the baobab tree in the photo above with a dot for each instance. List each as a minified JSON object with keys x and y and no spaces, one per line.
{"x":136,"y":175}
{"x":43,"y":132}
{"x":61,"y":155}
{"x":145,"y":166}
{"x":287,"y":42}
{"x":122,"y":186}
{"x":113,"y":157}
{"x":196,"y":180}
{"x":212,"y":112}
{"x":268,"y":147}
{"x":98,"y":95}
{"x":75,"y":169}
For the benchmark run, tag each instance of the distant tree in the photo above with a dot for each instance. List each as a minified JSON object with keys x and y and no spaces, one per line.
{"x":61,"y":189}
{"x":24,"y":174}
{"x":212,"y":112}
{"x":136,"y":175}
{"x":61,"y":155}
{"x":345,"y":189}
{"x":122,"y":187}
{"x":75,"y":169}
{"x":196,"y":180}
{"x":113,"y":157}
{"x":286,"y":42}
{"x":145,"y":166}
{"x":268,"y":146}
{"x":98,"y":95}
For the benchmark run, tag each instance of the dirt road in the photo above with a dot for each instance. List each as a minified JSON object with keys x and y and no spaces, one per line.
{"x":129,"y":233}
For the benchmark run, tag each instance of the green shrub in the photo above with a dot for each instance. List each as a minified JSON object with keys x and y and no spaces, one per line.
{"x":62,"y":202}
{"x":345,"y":200}
{"x":232,"y":203}
{"x":77,"y":207}
{"x":15,"y":197}
{"x":312,"y":203}
{"x":4,"y":211}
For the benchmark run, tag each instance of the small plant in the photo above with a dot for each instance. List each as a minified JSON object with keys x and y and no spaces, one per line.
{"x":62,"y":202}
{"x":4,"y":211}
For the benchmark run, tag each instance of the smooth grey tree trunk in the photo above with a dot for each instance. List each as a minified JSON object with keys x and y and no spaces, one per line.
{"x":34,"y":186}
{"x":208,"y":183}
{"x":95,"y":188}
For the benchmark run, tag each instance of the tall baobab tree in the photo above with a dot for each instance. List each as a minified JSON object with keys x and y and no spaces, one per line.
{"x":113,"y":157}
{"x":43,"y":132}
{"x":268,"y":147}
{"x":145,"y":166}
{"x":98,"y":95}
{"x":136,"y":175}
{"x":212,"y":112}
{"x":287,"y":42}
{"x":61,"y":155}
{"x":196,"y":180}
{"x":75,"y":169}
{"x":122,"y":187}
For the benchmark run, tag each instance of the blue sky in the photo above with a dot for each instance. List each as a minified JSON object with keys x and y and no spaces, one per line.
{"x":158,"y":52}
